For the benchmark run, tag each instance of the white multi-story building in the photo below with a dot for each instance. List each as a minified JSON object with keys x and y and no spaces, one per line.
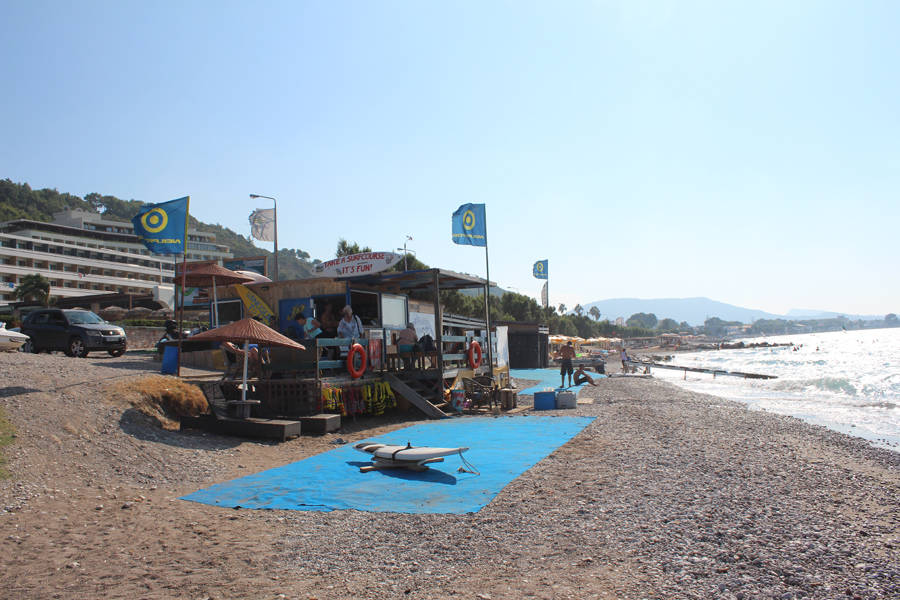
{"x":83,"y":254}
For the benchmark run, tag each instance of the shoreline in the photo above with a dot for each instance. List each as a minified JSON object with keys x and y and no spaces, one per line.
{"x":667,"y":494}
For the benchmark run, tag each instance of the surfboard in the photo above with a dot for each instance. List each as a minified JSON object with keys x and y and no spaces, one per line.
{"x":256,"y":306}
{"x":402,"y":454}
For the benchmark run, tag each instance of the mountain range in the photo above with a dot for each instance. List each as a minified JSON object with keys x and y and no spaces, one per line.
{"x":696,"y":310}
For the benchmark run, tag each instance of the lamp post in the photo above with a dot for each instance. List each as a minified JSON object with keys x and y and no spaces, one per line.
{"x":275,"y":217}
{"x":408,"y":239}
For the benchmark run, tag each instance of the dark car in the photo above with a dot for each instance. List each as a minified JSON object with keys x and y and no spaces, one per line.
{"x":75,"y":332}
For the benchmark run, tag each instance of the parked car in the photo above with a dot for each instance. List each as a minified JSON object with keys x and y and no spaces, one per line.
{"x":75,"y":332}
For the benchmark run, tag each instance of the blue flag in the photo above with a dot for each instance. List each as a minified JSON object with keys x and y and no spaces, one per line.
{"x":469,"y":225}
{"x":540,"y":269}
{"x":163,"y":227}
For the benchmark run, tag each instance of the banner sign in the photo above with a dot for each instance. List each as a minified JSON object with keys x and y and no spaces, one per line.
{"x":257,"y":264}
{"x":469,"y":225}
{"x":541,"y":269}
{"x":354,"y":265}
{"x":545,"y":301}
{"x":162,"y":228}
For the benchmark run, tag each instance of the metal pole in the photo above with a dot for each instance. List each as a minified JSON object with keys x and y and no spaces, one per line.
{"x":275,"y":215}
{"x":487,"y":300}
{"x":181,"y":317}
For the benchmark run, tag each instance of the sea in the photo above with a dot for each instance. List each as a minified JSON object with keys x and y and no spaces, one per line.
{"x":848,"y":381}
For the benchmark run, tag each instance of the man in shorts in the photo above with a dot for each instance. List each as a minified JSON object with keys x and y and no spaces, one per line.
{"x":566,"y":354}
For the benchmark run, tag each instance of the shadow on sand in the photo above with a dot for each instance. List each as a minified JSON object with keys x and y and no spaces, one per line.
{"x":140,"y":426}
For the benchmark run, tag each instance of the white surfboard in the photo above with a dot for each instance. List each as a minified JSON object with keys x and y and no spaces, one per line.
{"x":412,"y":454}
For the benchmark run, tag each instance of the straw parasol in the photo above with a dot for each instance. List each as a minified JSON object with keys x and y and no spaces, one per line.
{"x":210,"y":275}
{"x":248,"y":331}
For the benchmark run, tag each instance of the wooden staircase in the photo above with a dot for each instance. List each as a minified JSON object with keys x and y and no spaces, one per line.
{"x":425,"y":393}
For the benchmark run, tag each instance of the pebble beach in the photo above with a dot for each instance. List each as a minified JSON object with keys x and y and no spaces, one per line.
{"x":667,"y":494}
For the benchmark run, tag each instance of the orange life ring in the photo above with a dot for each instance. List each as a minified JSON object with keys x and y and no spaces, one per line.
{"x":474,"y":348}
{"x":356,"y":349}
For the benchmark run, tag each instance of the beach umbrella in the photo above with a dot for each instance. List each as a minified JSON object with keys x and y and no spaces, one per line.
{"x":210,"y":275}
{"x":248,"y":331}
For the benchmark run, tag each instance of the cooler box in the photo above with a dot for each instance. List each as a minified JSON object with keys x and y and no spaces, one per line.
{"x":565,"y":400}
{"x":544,"y":400}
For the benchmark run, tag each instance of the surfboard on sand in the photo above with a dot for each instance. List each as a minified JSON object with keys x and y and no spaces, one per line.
{"x":410,"y":457}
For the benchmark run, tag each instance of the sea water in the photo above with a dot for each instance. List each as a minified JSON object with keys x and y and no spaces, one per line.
{"x":848,"y":381}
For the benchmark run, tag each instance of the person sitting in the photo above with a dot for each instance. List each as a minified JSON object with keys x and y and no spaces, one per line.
{"x":306,"y":328}
{"x":582,"y":377}
{"x":255,"y":360}
{"x":406,"y":343}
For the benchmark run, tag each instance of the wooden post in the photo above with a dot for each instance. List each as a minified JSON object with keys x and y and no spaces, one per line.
{"x":438,"y":327}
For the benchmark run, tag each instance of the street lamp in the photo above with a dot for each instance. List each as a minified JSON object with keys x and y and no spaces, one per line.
{"x":275,"y":217}
{"x":408,"y":239}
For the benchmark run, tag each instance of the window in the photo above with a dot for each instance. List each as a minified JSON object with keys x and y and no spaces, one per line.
{"x":393,"y":311}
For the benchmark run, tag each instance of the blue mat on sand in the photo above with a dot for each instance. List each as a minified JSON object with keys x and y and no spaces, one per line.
{"x":548,"y":379}
{"x":500,"y":448}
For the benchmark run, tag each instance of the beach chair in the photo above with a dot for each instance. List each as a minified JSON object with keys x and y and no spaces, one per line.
{"x":479,"y":390}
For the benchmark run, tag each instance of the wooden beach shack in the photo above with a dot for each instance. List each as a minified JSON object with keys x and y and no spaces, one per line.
{"x":297,"y":384}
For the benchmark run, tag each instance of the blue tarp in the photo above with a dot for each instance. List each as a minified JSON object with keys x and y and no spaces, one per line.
{"x":548,"y":379}
{"x":501,"y":448}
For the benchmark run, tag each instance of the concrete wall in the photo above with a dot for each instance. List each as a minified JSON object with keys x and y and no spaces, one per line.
{"x":142,"y":338}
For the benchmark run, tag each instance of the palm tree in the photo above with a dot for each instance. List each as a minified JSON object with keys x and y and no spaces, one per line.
{"x":595,"y":312}
{"x":578,"y":309}
{"x":562,"y":309}
{"x":34,"y":287}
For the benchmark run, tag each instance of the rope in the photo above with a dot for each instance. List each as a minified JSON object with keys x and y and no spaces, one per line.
{"x":468,"y":467}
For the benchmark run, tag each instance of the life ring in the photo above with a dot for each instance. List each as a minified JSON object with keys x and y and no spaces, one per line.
{"x":474,"y":348}
{"x":356,"y":349}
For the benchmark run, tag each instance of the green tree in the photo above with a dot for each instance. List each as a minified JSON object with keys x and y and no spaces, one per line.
{"x":668,"y":325}
{"x":595,"y":312}
{"x":345,"y":248}
{"x":645,"y":320}
{"x":34,"y":287}
{"x":578,"y":309}
{"x":562,"y":310}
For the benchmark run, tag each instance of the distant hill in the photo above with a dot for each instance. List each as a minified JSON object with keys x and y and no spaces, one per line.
{"x":693,"y":310}
{"x":696,"y":310}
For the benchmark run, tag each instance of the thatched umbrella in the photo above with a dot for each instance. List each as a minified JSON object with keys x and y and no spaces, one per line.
{"x":248,"y":331}
{"x":210,"y":275}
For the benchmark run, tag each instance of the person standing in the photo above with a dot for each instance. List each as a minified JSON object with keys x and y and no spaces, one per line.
{"x":566,"y":354}
{"x":625,"y":359}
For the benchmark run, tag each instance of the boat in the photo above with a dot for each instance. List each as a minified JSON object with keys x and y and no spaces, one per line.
{"x":410,"y":457}
{"x":10,"y":340}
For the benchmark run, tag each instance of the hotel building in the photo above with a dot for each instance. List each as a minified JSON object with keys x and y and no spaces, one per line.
{"x":83,"y":254}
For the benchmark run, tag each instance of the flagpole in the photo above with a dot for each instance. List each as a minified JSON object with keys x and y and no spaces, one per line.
{"x":487,"y":299}
{"x":187,"y":218}
{"x":181,"y":314}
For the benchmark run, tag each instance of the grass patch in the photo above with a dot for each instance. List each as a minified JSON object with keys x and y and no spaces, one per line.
{"x":7,"y":435}
{"x":165,"y":399}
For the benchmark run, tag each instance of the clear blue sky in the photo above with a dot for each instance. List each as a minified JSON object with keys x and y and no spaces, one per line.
{"x":748,"y":152}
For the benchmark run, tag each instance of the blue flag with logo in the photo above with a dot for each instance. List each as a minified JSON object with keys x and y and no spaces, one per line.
{"x":469,"y":225}
{"x":163,"y":227}
{"x":540,"y":269}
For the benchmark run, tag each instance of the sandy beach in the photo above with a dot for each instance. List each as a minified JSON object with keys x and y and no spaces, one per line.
{"x":667,"y":494}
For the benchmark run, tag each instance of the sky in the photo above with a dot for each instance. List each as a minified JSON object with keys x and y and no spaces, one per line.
{"x":746,"y":152}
